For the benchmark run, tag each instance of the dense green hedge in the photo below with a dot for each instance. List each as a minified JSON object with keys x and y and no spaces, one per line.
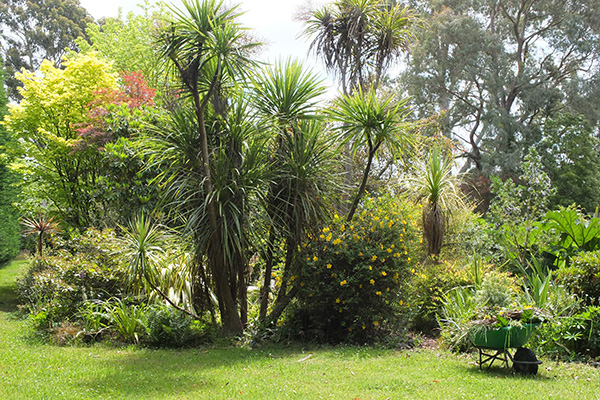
{"x":9,"y":222}
{"x":582,"y":277}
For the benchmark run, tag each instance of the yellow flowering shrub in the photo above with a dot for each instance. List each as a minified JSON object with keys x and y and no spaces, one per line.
{"x":355,"y":274}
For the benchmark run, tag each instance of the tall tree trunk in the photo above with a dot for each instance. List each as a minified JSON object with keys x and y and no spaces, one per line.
{"x":266,"y":288}
{"x":230,"y":317}
{"x":365,"y":178}
{"x":283,"y":296}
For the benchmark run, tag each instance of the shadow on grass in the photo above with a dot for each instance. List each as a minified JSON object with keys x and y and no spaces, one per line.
{"x":500,"y":371}
{"x":8,"y":288}
{"x":8,"y":299}
{"x":170,"y":373}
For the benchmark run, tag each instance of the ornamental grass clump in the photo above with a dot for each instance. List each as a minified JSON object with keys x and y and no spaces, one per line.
{"x":354,"y":275}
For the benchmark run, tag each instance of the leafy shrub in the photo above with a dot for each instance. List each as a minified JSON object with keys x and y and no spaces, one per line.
{"x":576,"y":232}
{"x":497,"y":290}
{"x":470,"y":235}
{"x":9,"y":236}
{"x":83,"y":269}
{"x":353,"y":276}
{"x":168,"y":327}
{"x":582,"y":277}
{"x":574,"y":337}
{"x":427,"y":288}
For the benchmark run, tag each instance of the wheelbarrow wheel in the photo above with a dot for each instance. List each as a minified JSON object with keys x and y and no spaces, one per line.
{"x":525,"y":361}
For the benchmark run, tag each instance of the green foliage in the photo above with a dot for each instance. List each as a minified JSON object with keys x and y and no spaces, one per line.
{"x":517,"y":209}
{"x":353,"y":276}
{"x":573,"y":337}
{"x":359,"y":40}
{"x":35,"y":30}
{"x":128,"y":41}
{"x":215,"y":163}
{"x":582,"y":276}
{"x":54,"y":105}
{"x":301,"y":169}
{"x":434,"y":184}
{"x":168,"y":327}
{"x":93,"y":317}
{"x":287,"y":92}
{"x":10,"y":242}
{"x":430,"y":283}
{"x":498,"y":290}
{"x":569,"y":156}
{"x":538,"y":283}
{"x":458,"y":310}
{"x":9,"y":224}
{"x":126,"y":319}
{"x":370,"y":123}
{"x":144,"y":244}
{"x":576,"y":231}
{"x":83,"y":269}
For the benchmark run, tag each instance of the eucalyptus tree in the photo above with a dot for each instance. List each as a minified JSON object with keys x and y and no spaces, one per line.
{"x":569,"y":154}
{"x":34,"y":30}
{"x":208,"y":50}
{"x":498,"y":69}
{"x":302,"y":169}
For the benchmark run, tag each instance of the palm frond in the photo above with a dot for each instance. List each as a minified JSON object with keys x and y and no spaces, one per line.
{"x":367,"y":120}
{"x":286,"y":91}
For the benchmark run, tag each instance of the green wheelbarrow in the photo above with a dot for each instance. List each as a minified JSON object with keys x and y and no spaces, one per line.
{"x":493,"y":345}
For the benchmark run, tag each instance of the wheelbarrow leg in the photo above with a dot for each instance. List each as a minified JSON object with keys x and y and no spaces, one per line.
{"x":499,"y":355}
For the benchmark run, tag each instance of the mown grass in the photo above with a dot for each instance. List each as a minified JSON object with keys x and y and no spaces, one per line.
{"x":34,"y":370}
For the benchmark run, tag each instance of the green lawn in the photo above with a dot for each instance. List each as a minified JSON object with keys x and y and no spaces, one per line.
{"x":31,"y":370}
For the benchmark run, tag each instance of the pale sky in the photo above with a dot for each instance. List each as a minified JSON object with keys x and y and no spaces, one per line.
{"x":272,"y":21}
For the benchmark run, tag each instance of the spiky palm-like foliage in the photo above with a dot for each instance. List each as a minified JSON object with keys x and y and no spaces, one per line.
{"x":209,"y":52}
{"x":370,"y":122}
{"x":286,"y":92}
{"x":40,"y":226}
{"x":358,"y":40}
{"x":301,"y":169}
{"x":151,"y":268}
{"x":438,"y":188}
{"x":238,"y":163}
